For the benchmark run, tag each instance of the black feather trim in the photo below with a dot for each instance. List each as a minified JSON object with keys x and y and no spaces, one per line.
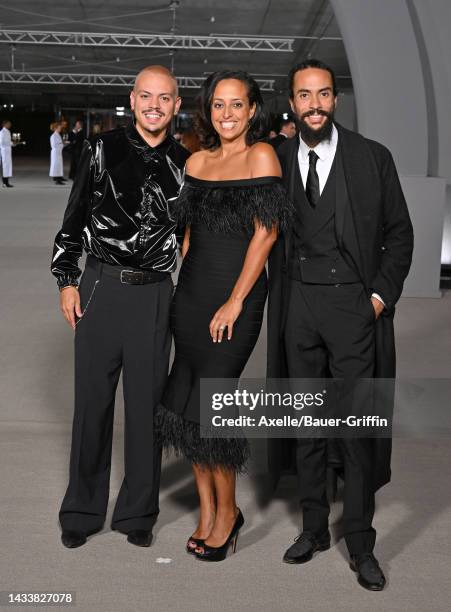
{"x":183,"y":437}
{"x":234,"y":209}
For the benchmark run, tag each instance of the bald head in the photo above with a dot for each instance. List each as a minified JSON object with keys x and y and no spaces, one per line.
{"x":154,"y":71}
{"x":154,"y":101}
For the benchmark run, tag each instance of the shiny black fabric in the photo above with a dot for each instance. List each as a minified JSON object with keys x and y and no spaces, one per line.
{"x":119,"y":209}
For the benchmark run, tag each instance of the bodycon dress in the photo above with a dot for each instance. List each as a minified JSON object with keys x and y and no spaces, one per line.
{"x":221,"y":216}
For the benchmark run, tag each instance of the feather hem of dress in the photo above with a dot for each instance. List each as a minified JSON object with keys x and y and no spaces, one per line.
{"x":184,"y":438}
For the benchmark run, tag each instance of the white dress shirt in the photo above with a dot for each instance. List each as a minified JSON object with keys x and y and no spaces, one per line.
{"x":325,"y":150}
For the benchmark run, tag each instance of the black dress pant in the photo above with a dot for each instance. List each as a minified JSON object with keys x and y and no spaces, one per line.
{"x":330,"y":331}
{"x":124,"y":327}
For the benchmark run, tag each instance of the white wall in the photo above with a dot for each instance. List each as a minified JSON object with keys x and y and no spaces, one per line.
{"x":399,"y":54}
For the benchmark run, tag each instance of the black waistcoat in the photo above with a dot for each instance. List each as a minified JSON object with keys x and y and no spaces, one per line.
{"x":316,"y":256}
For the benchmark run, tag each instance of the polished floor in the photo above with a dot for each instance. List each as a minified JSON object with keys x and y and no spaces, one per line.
{"x":413,"y":517}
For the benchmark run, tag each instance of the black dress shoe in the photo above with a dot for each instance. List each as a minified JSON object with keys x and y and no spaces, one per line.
{"x":305,"y":545}
{"x":370,"y":575}
{"x":140,"y":537}
{"x":73,"y":539}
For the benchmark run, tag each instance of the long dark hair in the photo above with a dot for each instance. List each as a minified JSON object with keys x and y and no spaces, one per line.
{"x":208,"y":136}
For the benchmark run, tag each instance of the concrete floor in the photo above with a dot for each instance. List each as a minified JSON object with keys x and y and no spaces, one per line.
{"x":413,"y":516}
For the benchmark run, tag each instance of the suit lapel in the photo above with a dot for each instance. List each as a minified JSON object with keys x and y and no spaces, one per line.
{"x":297,"y":195}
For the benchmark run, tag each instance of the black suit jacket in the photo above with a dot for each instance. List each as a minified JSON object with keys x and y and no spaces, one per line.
{"x":373,"y":228}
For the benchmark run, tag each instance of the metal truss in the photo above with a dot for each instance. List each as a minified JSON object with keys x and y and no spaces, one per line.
{"x":156,"y":41}
{"x":109,"y":80}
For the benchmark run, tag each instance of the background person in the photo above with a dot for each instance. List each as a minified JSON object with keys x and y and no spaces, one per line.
{"x":287,"y":130}
{"x":6,"y":152}
{"x":76,"y":138}
{"x":56,"y":155}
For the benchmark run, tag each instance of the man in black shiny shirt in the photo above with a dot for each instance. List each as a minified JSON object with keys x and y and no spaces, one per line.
{"x":119,"y":213}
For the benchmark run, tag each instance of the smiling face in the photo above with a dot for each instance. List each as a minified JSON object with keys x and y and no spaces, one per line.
{"x":231,"y":110}
{"x":154,"y":101}
{"x":313,"y":102}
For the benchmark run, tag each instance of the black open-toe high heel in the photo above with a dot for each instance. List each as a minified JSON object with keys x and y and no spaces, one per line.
{"x":219,"y":553}
{"x":191,"y":549}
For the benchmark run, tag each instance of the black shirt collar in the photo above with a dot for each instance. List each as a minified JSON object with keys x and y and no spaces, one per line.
{"x":143,"y":148}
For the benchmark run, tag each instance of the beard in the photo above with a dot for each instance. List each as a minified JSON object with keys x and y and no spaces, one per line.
{"x":311,"y":136}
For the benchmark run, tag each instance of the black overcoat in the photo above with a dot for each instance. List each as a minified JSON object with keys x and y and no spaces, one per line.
{"x":374,"y":230}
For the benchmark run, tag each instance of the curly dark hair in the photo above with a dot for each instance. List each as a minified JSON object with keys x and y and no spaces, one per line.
{"x":258,"y":125}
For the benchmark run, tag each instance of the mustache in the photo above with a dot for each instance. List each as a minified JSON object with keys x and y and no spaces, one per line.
{"x":154,"y":110}
{"x":315,"y":111}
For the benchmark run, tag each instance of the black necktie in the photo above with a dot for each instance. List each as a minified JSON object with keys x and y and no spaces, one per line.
{"x":312,"y":185}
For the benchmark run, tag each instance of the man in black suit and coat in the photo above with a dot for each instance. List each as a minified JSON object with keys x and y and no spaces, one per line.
{"x":334,"y":283}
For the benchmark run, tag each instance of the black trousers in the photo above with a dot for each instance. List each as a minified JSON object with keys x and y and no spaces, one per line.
{"x":330,"y":331}
{"x":124,"y":327}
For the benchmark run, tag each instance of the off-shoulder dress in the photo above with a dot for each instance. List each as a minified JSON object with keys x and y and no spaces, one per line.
{"x":221,"y":216}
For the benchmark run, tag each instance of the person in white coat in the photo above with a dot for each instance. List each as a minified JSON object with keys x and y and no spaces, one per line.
{"x":56,"y":155}
{"x":5,"y":152}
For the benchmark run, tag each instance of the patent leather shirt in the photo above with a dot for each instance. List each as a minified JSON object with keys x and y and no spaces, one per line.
{"x":119,"y":209}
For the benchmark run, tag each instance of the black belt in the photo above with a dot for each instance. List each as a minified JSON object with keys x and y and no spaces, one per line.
{"x":128,"y":276}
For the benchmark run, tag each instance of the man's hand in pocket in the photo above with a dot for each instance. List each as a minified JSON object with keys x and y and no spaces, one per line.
{"x":378,"y":306}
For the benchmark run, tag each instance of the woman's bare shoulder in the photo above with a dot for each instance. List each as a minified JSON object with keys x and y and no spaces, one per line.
{"x":263,"y":160}
{"x":196,"y":161}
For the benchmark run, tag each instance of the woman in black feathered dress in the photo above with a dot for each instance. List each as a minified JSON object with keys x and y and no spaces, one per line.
{"x":232,"y":205}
